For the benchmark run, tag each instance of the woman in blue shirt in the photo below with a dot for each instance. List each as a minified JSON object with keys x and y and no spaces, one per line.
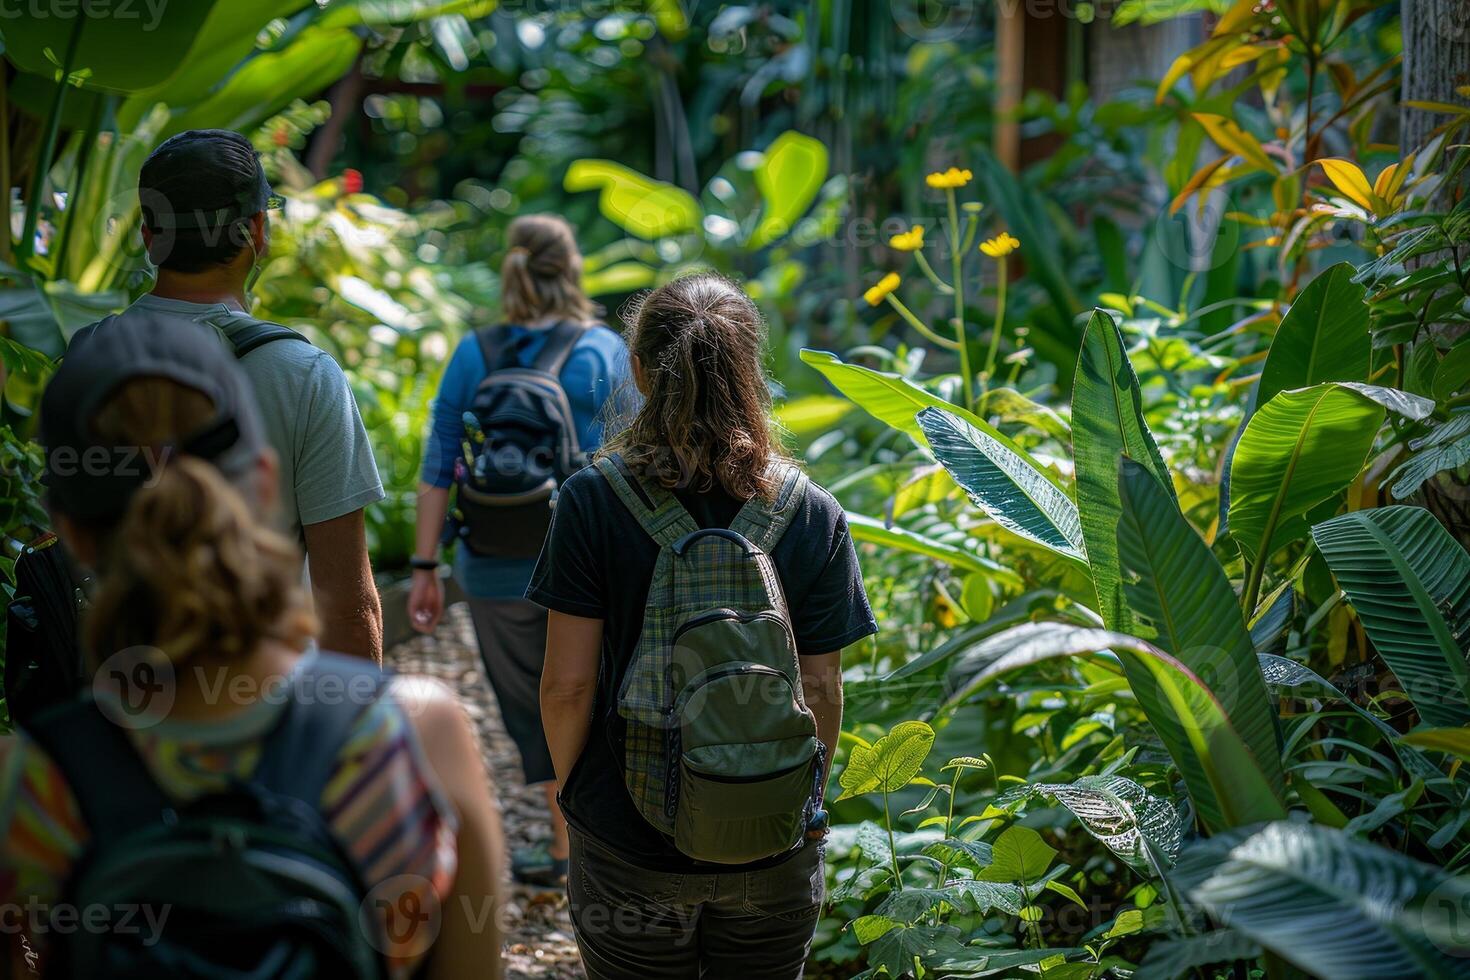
{"x":540,"y":289}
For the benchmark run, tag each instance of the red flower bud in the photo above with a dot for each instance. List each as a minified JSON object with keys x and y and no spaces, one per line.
{"x":351,"y":182}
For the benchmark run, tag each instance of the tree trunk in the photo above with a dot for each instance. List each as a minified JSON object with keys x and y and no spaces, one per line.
{"x":1436,"y":62}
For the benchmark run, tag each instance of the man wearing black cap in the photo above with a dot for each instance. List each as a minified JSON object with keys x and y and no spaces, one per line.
{"x":205,"y":199}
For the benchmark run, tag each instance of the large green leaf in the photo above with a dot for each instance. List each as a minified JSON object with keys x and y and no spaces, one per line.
{"x":115,"y":53}
{"x":1015,"y":494}
{"x":1182,"y":601}
{"x":1299,"y":449}
{"x":1334,"y":905}
{"x":1409,"y":582}
{"x":897,"y":401}
{"x":1107,"y":422}
{"x":889,"y":764}
{"x":789,"y":178}
{"x":1323,"y":337}
{"x":1018,"y":854}
{"x":1195,"y":712}
{"x":639,"y":205}
{"x":267,"y":82}
{"x":1142,"y":829}
{"x":865,"y":528}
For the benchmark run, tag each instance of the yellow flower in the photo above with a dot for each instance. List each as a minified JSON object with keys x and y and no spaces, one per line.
{"x":909,"y":241}
{"x":953,"y":177}
{"x":886,"y":285}
{"x":1000,"y":246}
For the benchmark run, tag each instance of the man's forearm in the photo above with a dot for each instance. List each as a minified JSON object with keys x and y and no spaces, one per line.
{"x":342,"y":584}
{"x":354,"y":628}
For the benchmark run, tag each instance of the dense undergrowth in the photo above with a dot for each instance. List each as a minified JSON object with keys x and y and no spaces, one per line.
{"x":1158,"y":470}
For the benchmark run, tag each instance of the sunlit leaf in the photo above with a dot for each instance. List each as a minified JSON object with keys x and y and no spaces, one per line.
{"x":789,"y":178}
{"x":639,"y":205}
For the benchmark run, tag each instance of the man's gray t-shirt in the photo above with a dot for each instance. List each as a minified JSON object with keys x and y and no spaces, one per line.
{"x":311,"y":419}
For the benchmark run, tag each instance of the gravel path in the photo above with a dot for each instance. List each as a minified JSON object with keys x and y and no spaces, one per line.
{"x":539,"y":944}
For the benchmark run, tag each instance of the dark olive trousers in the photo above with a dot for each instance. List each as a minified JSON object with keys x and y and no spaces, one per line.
{"x":634,"y":924}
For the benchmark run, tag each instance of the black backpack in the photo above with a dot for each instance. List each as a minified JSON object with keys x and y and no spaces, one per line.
{"x":520,"y":443}
{"x":43,"y":659}
{"x":43,"y":653}
{"x":244,"y":883}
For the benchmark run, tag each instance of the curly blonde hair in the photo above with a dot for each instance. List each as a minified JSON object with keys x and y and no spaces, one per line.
{"x":189,"y":568}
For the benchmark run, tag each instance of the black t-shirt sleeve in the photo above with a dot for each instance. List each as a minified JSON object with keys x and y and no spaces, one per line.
{"x":569,"y":575}
{"x":833,"y":611}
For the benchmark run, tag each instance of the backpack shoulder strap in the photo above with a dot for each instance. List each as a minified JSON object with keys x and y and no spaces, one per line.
{"x":656,"y":509}
{"x":494,"y":344}
{"x":558,"y":347}
{"x":763,"y":524}
{"x":113,"y":787}
{"x":247,"y":334}
{"x":327,"y":698}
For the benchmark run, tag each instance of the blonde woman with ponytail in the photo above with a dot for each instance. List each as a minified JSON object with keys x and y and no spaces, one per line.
{"x":159,"y":478}
{"x":518,"y":410}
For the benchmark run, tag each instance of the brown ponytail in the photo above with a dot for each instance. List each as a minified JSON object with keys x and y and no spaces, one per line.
{"x":706,"y":415}
{"x":188,"y":569}
{"x":541,"y":275}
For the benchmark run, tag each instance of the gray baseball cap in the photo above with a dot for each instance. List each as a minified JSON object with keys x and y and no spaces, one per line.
{"x":90,"y":479}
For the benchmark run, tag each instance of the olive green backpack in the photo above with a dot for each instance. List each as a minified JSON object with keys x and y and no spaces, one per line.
{"x":721,"y":751}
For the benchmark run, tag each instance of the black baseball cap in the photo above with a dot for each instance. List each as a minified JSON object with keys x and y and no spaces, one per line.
{"x":90,"y":479}
{"x":202,"y":181}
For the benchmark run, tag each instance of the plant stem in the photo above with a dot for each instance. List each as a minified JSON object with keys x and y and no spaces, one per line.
{"x":919,"y":325}
{"x":892,"y":847}
{"x":1000,"y":318}
{"x":967,"y":379}
{"x":933,"y":276}
{"x":954,"y":787}
{"x":47,"y":149}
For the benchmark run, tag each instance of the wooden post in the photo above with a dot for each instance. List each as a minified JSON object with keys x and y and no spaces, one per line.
{"x":1010,"y":61}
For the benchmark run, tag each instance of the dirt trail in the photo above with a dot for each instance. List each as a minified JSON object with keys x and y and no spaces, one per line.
{"x":539,"y":944}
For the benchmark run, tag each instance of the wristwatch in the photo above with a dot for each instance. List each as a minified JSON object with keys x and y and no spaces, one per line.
{"x":423,"y":564}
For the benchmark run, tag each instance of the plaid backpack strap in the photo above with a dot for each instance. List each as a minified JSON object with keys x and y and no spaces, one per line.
{"x":763,"y":524}
{"x":657,"y":510}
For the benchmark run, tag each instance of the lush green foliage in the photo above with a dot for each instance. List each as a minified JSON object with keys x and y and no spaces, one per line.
{"x":1167,"y":545}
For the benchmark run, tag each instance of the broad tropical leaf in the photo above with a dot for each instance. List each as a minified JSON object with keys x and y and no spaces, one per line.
{"x":789,"y":177}
{"x":1445,"y":448}
{"x":113,"y":54}
{"x":897,"y":401}
{"x":1409,"y":582}
{"x":267,"y":82}
{"x":1107,"y":422}
{"x":1015,"y":494}
{"x":1298,"y":450}
{"x":1323,"y":337}
{"x":1176,"y":587}
{"x":865,"y":528}
{"x":1174,"y":958}
{"x":1140,"y":828}
{"x":1455,"y":741}
{"x":1209,"y":745}
{"x":639,"y":205}
{"x":1334,"y":905}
